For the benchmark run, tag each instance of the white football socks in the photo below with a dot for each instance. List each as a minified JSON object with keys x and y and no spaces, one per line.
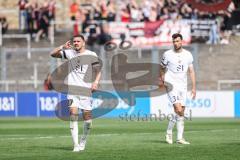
{"x":74,"y":129}
{"x":86,"y":128}
{"x":180,"y":127}
{"x":171,"y":124}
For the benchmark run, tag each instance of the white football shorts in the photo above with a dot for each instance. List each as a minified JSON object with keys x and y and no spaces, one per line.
{"x":80,"y":102}
{"x":177,"y":96}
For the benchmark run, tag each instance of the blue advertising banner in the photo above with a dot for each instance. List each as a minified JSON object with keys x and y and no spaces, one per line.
{"x":39,"y":104}
{"x":237,"y":104}
{"x":47,"y":102}
{"x":27,"y":104}
{"x":8,"y":105}
{"x":131,"y":104}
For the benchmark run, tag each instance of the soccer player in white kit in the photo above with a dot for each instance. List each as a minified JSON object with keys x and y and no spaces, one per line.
{"x":76,"y":78}
{"x":175,"y":65}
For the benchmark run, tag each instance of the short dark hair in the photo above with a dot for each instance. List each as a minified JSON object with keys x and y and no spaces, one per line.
{"x":80,"y":36}
{"x":176,"y":35}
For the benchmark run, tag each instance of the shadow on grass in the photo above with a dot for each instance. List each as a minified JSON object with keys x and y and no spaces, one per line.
{"x":67,"y":148}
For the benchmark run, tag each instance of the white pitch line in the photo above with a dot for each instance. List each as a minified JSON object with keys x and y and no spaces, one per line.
{"x":24,"y":137}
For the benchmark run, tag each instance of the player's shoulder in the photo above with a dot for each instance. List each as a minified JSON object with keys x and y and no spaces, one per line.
{"x":70,"y":50}
{"x":168,"y":52}
{"x":88,"y":52}
{"x":187,"y":52}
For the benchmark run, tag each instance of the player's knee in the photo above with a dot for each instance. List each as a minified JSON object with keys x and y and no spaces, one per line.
{"x":87,"y":115}
{"x":88,"y":123}
{"x":179,"y":111}
{"x":73,"y":111}
{"x":73,"y":117}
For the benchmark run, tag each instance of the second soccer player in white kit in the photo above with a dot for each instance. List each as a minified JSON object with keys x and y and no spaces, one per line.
{"x":176,"y":63}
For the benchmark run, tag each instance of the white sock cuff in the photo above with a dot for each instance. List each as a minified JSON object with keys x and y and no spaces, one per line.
{"x":73,"y":117}
{"x":179,"y":118}
{"x":88,"y":121}
{"x":73,"y":124}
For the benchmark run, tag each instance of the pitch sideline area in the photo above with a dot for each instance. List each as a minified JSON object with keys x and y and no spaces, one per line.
{"x":49,"y":139}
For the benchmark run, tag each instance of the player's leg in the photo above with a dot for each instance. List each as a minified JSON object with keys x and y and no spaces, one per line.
{"x":169,"y":133}
{"x":179,"y":110}
{"x":87,"y":123}
{"x":170,"y":127}
{"x":74,"y":126}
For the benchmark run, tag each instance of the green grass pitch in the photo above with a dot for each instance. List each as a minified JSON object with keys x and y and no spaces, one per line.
{"x":115,"y":139}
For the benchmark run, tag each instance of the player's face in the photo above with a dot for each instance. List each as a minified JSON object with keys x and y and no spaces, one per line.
{"x":177,"y":43}
{"x":78,"y":43}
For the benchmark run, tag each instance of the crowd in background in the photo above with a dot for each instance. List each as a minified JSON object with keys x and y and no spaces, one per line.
{"x":4,"y":24}
{"x":35,"y":17}
{"x":150,"y":11}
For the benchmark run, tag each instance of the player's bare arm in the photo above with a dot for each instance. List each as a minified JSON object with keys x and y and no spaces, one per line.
{"x":162,"y":75}
{"x":96,"y":82}
{"x":193,"y":79}
{"x":56,"y":53}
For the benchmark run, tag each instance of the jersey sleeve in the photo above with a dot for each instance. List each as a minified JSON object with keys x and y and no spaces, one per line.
{"x":95,"y":60}
{"x":164,"y":60}
{"x":67,"y":54}
{"x":190,"y":60}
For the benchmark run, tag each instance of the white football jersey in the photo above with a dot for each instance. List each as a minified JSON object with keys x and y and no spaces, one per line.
{"x":78,"y":71}
{"x":177,"y":66}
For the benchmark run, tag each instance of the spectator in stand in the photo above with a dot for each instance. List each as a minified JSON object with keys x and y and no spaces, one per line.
{"x":213,"y":34}
{"x":22,"y":15}
{"x":51,"y":9}
{"x":226,"y":27}
{"x":74,"y":8}
{"x":153,"y":14}
{"x":4,"y":24}
{"x":43,"y":23}
{"x":186,"y":11}
{"x":104,"y":35}
{"x":146,"y":9}
{"x":135,"y":12}
{"x":97,"y":12}
{"x":125,"y":14}
{"x":32,"y":17}
{"x":104,"y":10}
{"x":36,"y":15}
{"x":111,"y":11}
{"x":92,"y":31}
{"x":195,"y":14}
{"x":165,"y":14}
{"x":227,"y":24}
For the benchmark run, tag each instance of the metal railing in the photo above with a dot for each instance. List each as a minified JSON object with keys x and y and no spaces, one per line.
{"x":6,"y":83}
{"x":19,"y":36}
{"x":220,"y":82}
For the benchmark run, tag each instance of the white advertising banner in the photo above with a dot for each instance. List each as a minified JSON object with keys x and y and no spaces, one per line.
{"x":206,"y":104}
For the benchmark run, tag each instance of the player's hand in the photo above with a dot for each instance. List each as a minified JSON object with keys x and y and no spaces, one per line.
{"x":67,"y":45}
{"x":94,"y":86}
{"x":193,"y":94}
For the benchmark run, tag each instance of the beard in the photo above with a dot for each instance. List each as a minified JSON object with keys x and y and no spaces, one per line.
{"x":77,"y":48}
{"x":177,"y":48}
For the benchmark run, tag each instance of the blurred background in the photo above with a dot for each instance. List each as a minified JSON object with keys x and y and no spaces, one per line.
{"x":30,"y":29}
